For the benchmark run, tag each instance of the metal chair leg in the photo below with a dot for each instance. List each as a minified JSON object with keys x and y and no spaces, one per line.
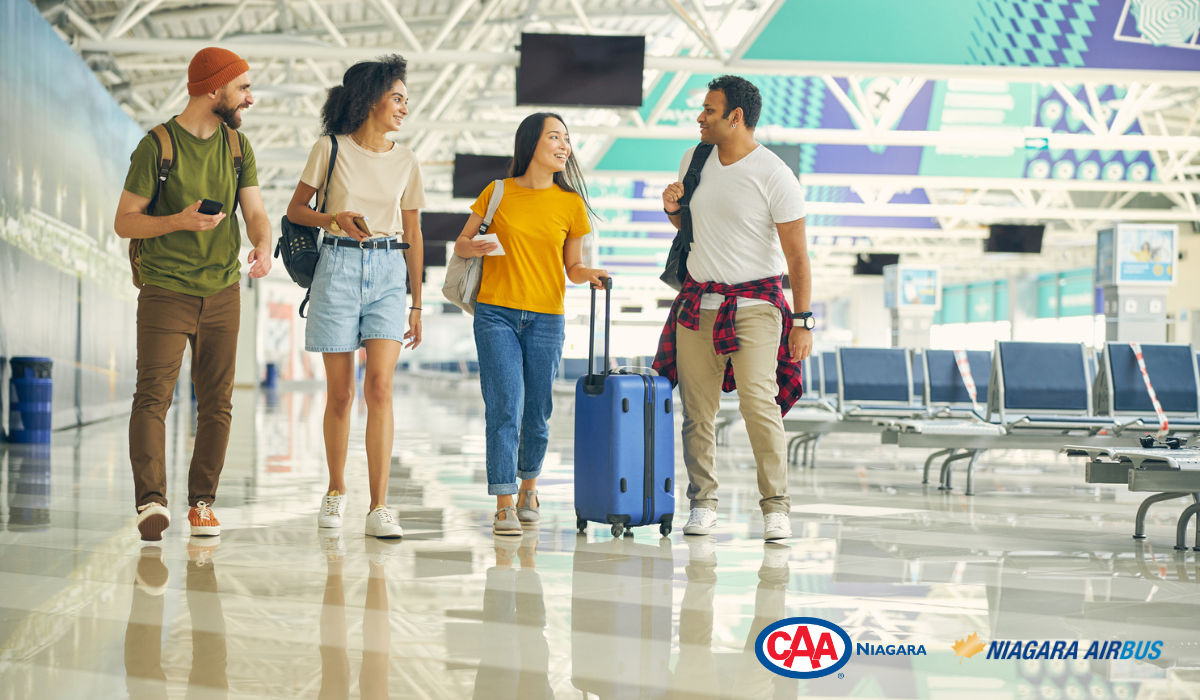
{"x":929,"y":462}
{"x":944,"y":476}
{"x":1139,"y":522}
{"x":971,"y":471}
{"x":816,"y":442}
{"x":1181,"y":528}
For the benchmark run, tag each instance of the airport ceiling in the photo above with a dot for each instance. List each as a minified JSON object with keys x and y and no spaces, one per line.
{"x":463,"y":56}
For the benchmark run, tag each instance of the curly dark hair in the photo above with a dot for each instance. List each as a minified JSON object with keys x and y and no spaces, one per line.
{"x":739,"y":92}
{"x":363,"y":86}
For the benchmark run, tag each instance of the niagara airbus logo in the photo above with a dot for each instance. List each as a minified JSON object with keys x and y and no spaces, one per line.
{"x":803,"y":647}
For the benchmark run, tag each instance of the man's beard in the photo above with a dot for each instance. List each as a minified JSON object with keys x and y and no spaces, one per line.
{"x":230,"y":115}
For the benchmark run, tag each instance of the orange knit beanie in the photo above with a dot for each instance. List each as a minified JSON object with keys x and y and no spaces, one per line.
{"x":212,"y":68}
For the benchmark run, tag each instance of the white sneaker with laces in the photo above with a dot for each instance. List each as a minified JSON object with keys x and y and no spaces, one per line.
{"x":381,"y":523}
{"x":331,"y":510}
{"x":700,"y":522}
{"x":778,"y":526}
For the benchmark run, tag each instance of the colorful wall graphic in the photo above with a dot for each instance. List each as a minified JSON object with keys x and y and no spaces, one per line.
{"x":1142,"y":34}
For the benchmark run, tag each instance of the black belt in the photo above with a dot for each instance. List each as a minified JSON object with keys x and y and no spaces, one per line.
{"x":388,"y":243}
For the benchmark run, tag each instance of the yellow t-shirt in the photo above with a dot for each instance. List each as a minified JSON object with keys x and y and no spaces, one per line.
{"x":533,"y":226}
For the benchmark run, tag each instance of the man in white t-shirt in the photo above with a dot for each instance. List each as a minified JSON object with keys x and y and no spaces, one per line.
{"x":731,"y":319}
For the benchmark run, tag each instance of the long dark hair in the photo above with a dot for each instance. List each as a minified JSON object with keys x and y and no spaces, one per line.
{"x":529,"y":133}
{"x":363,"y":86}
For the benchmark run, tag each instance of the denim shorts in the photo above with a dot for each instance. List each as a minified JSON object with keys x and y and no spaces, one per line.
{"x":357,"y":294}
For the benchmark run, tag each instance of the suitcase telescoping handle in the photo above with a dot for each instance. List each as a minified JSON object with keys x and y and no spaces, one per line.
{"x":593,"y":383}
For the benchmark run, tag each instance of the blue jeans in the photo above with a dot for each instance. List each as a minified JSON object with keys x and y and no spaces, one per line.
{"x":518,"y":358}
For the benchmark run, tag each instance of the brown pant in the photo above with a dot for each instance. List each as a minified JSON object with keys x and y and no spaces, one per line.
{"x":166,"y":322}
{"x":701,"y":371}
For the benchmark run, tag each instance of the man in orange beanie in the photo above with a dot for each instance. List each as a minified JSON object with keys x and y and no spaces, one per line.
{"x":186,"y":266}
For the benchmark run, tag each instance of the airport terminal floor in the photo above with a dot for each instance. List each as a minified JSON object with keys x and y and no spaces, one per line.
{"x":279,"y":609}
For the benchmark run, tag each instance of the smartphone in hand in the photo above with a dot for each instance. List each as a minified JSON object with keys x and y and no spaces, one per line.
{"x":361,"y":223}
{"x":210,"y":207}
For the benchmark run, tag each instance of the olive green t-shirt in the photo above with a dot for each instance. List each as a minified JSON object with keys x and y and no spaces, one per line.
{"x":199,"y":263}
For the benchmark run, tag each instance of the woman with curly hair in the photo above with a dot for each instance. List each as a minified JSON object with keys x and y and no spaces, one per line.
{"x":358,"y":290}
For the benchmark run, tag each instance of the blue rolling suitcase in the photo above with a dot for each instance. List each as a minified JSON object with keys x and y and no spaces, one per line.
{"x":624,"y":443}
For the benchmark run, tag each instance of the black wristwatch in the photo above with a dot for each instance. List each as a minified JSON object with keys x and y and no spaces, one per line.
{"x":806,"y":318}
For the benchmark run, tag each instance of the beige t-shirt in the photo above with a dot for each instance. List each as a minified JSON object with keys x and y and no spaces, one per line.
{"x":376,"y":185}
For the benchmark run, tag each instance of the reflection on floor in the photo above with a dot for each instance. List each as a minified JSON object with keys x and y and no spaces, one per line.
{"x":278,"y":610}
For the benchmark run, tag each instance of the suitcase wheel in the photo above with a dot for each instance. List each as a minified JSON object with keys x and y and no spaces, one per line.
{"x":617,"y":529}
{"x":664,"y":529}
{"x":581,"y":525}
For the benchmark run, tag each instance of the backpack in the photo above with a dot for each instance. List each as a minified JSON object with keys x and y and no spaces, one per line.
{"x":166,"y":161}
{"x":300,"y":246}
{"x":676,"y":271}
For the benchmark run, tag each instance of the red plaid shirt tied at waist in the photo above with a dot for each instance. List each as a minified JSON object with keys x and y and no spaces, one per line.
{"x":686,"y":311}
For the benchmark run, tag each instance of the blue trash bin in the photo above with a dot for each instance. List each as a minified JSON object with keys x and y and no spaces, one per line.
{"x":30,"y":400}
{"x":272,"y":379}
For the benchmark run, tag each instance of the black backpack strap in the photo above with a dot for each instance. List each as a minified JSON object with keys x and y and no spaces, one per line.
{"x":691,"y":179}
{"x":329,"y":172}
{"x":304,"y":304}
{"x":166,"y":160}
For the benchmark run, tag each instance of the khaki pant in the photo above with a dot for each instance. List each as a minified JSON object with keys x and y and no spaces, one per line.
{"x":701,"y":371}
{"x":166,"y":322}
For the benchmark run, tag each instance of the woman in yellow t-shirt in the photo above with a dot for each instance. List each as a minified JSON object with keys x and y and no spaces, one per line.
{"x":519,"y":322}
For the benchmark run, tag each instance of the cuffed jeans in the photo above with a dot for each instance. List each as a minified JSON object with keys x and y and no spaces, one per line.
{"x":518,"y":359}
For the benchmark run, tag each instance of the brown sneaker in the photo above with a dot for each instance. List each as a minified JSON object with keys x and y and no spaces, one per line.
{"x":203,"y":520}
{"x":152,"y":519}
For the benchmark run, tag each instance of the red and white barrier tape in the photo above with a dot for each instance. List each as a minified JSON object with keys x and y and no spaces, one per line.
{"x":1163,"y":426}
{"x":964,"y":370}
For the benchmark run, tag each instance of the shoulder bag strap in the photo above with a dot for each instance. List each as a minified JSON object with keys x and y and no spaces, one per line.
{"x":329,"y":172}
{"x":166,"y":161}
{"x":493,"y":205}
{"x":235,"y":151}
{"x":691,"y":179}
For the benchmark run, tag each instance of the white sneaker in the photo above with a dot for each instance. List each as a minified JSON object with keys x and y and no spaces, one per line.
{"x":152,"y":519}
{"x":381,"y":523}
{"x":700,"y":522}
{"x":331,"y":510}
{"x":778,"y":526}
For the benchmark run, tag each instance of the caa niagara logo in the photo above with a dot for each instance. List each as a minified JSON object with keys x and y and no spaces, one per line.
{"x":803,"y":647}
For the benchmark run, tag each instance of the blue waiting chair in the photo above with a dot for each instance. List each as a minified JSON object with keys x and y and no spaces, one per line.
{"x":1120,"y":391}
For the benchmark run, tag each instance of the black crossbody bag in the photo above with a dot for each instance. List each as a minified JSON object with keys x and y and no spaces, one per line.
{"x":676,"y":271}
{"x":300,"y":246}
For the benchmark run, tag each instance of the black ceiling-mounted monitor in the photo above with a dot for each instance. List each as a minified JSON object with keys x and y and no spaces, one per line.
{"x":873,"y":263}
{"x":442,"y":226}
{"x":472,"y":173}
{"x":1014,"y":238}
{"x":577,"y":70}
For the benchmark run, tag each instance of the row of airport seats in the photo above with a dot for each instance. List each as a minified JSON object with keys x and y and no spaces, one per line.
{"x":451,"y":368}
{"x":1028,"y":396}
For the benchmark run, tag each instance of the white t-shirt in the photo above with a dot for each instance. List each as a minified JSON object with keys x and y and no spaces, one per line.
{"x":734,"y":212}
{"x":376,"y":185}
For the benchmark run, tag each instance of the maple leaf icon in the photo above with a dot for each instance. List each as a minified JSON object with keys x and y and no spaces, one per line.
{"x":966,"y":648}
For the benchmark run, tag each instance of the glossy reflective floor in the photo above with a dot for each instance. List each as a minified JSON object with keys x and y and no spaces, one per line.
{"x":278,"y":610}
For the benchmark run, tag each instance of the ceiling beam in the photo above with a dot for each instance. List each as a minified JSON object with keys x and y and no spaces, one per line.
{"x":298,"y":48}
